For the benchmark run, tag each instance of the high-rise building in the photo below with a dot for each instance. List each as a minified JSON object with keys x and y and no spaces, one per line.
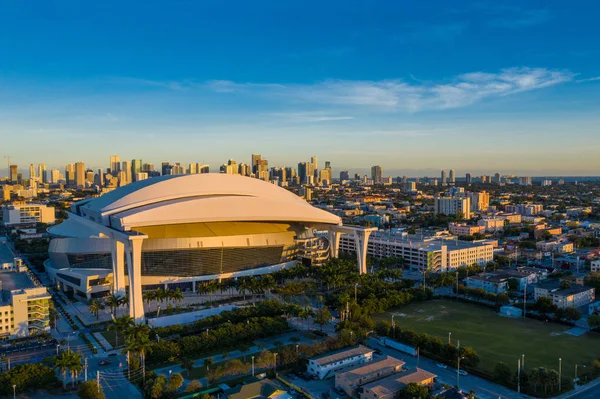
{"x":262,"y":169}
{"x":55,"y":176}
{"x":43,"y":173}
{"x":468,"y":178}
{"x":177,"y":169}
{"x":244,"y":169}
{"x":233,"y":166}
{"x":141,"y":176}
{"x":203,"y":168}
{"x":254,"y":164}
{"x":453,"y":206}
{"x":165,"y":169}
{"x":315,"y":163}
{"x":497,"y":178}
{"x":115,"y":164}
{"x":443,"y":177}
{"x":148,"y":167}
{"x":480,"y":201}
{"x":452,"y":178}
{"x":525,"y":181}
{"x":99,"y":178}
{"x":89,"y":176}
{"x":325,"y":176}
{"x":32,"y":174}
{"x":344,"y":175}
{"x":357,"y":176}
{"x":14,"y":173}
{"x":136,"y":167}
{"x":377,"y":174}
{"x":327,"y":164}
{"x":70,"y":174}
{"x":290,"y":173}
{"x":302,"y":171}
{"x":80,"y":174}
{"x":126,"y":167}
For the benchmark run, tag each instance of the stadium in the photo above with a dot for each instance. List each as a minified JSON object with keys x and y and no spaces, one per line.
{"x":176,"y":231}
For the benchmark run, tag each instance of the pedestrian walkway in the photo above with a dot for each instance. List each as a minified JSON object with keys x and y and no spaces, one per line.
{"x":100,"y":338}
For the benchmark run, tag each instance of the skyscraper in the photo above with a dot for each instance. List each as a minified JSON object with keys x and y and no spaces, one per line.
{"x":315,"y":161}
{"x":254,"y":164}
{"x":126,"y":168}
{"x":115,"y":164}
{"x":80,"y":175}
{"x":452,"y":178}
{"x":165,"y":169}
{"x":377,"y":174}
{"x":468,"y":178}
{"x":302,"y":171}
{"x":234,"y":166}
{"x":43,"y":173}
{"x":136,"y":167}
{"x":14,"y":173}
{"x":99,"y":178}
{"x":32,"y":172}
{"x":55,"y":176}
{"x":443,"y":177}
{"x":70,"y":174}
{"x":344,"y":175}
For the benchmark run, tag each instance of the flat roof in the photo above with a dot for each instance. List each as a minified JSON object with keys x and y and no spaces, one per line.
{"x":6,"y":255}
{"x":342,"y":354}
{"x":390,"y":385}
{"x":14,"y":281}
{"x":371,"y":368}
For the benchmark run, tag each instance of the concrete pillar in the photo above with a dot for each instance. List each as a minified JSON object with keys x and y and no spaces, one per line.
{"x":334,"y":243}
{"x":134,"y":269}
{"x":361,"y":241}
{"x":117,"y":251}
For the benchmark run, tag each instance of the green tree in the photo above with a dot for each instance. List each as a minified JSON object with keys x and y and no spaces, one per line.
{"x":513,"y":284}
{"x":175,"y":382}
{"x":113,"y":302}
{"x":193,"y":386}
{"x":89,"y":390}
{"x":594,"y":321}
{"x":502,"y":374}
{"x":208,"y":362}
{"x":322,"y":317}
{"x":119,"y":326}
{"x":188,"y":365}
{"x":414,"y":391}
{"x":95,"y":308}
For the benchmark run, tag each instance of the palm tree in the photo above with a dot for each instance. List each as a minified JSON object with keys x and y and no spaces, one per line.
{"x":95,"y":308}
{"x":149,"y":296}
{"x":120,"y":325}
{"x":138,"y":341}
{"x":188,"y":365}
{"x":212,"y":288}
{"x":124,"y":301}
{"x":168,"y":295}
{"x":160,"y":295}
{"x":62,"y":364}
{"x":177,"y":295}
{"x":243,"y":285}
{"x":208,"y":362}
{"x":113,"y":302}
{"x":76,"y":367}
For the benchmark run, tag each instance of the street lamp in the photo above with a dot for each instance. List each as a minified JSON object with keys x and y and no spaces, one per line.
{"x":275,"y":363}
{"x":14,"y":391}
{"x":297,"y":350}
{"x":57,"y":346}
{"x":449,"y":337}
{"x":458,"y":371}
{"x":559,"y":374}
{"x":523,"y":361}
{"x":252,"y":366}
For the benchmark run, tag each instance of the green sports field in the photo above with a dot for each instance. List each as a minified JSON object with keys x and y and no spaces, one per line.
{"x":498,"y":338}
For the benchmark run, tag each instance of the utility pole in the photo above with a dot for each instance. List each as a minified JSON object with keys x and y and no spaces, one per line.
{"x":523,"y":361}
{"x":525,"y":302}
{"x":458,"y":368}
{"x":98,"y":380}
{"x":252,"y":366}
{"x":519,"y":376}
{"x":85,"y":367}
{"x":9,"y":363}
{"x":559,"y":374}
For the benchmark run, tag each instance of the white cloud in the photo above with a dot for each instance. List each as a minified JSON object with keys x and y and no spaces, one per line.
{"x":397,"y":95}
{"x":594,"y":79}
{"x":308,"y":117}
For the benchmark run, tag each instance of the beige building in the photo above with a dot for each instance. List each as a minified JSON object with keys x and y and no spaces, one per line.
{"x":491,"y":225}
{"x":24,"y":312}
{"x":28,"y":213}
{"x":453,"y":206}
{"x":389,"y":387}
{"x":462,"y":229}
{"x":323,"y":366}
{"x":480,"y":201}
{"x":574,"y":296}
{"x":350,"y":381}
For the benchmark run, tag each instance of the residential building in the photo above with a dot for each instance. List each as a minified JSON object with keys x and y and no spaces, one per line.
{"x":377,"y":174}
{"x":468,"y":178}
{"x":462,"y":229}
{"x":323,"y":366}
{"x":556,"y":246}
{"x":350,"y":381}
{"x":260,"y":389}
{"x":28,"y":213}
{"x":80,"y":175}
{"x":595,"y":266}
{"x":344,"y":175}
{"x":391,"y":386}
{"x":443,"y":179}
{"x":453,"y":206}
{"x":574,"y":296}
{"x":525,"y":209}
{"x":491,"y":225}
{"x":512,"y":218}
{"x":497,"y":282}
{"x":423,"y":254}
{"x":115,"y":164}
{"x":451,"y":176}
{"x":479,"y":201}
{"x":136,"y":167}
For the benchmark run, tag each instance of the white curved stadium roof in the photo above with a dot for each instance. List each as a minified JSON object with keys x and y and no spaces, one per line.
{"x":208,"y":197}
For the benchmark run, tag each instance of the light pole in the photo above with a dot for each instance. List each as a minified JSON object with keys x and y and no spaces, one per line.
{"x":458,"y":372}
{"x":57,"y":346}
{"x":297,"y":353}
{"x":393,"y":327}
{"x":355,"y":287}
{"x":523,"y":361}
{"x":275,"y":363}
{"x":576,"y":379}
{"x":559,"y":374}
{"x":252,"y":366}
{"x":449,"y":337}
{"x":14,"y":391}
{"x":519,"y":376}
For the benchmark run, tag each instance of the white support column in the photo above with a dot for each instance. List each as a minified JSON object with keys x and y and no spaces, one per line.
{"x":361,"y":241}
{"x":134,"y":269}
{"x":117,"y":251}
{"x":334,"y":243}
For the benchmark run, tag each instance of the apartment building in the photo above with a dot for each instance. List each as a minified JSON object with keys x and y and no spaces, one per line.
{"x":391,"y":386}
{"x":27,"y":213}
{"x":595,"y":266}
{"x":462,"y":229}
{"x":574,"y":296}
{"x":453,"y":206}
{"x":351,"y":380}
{"x":497,"y":282}
{"x":491,"y":225}
{"x":431,"y":254}
{"x":23,"y":311}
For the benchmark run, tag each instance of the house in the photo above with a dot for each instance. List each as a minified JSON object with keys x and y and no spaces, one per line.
{"x":574,"y":296}
{"x":389,"y":387}
{"x":595,"y":266}
{"x":323,"y":366}
{"x":262,"y":389}
{"x":540,"y":274}
{"x":350,"y":380}
{"x":497,"y":282}
{"x":594,"y":308}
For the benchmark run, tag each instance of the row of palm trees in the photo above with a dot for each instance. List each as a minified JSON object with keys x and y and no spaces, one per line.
{"x":136,"y":338}
{"x":70,"y":362}
{"x":163,"y":295}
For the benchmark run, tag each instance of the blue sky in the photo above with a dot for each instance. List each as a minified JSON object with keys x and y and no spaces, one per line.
{"x":414,"y":86}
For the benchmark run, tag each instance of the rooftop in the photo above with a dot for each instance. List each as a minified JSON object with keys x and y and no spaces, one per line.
{"x":388,"y":386}
{"x":371,"y":368}
{"x":342,"y":354}
{"x":14,"y":281}
{"x":6,"y":255}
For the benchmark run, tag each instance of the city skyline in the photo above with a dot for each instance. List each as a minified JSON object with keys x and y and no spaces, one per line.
{"x":478,"y":87}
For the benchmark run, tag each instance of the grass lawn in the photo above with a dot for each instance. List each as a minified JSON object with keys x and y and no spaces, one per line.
{"x":200,"y":372}
{"x":498,"y":338}
{"x":110,"y":336}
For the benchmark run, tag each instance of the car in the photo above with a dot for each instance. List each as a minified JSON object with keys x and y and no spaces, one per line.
{"x":462,"y":372}
{"x":442,"y":365}
{"x":104,"y":362}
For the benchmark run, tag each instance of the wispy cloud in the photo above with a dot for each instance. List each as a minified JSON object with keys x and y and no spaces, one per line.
{"x":514,"y":17}
{"x":594,"y":79}
{"x":171,"y":85}
{"x":397,"y":95}
{"x":308,"y":117}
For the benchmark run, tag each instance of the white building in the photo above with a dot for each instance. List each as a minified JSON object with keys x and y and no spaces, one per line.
{"x":423,"y":254}
{"x":453,"y":206}
{"x":595,"y":266}
{"x":28,"y":213}
{"x":497,"y":282}
{"x":574,"y":296}
{"x":491,"y":225}
{"x":325,"y":365}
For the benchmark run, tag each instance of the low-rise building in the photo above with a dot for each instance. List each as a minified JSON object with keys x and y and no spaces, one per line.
{"x":595,"y":266}
{"x":497,"y":282}
{"x":462,"y":229}
{"x":349,"y":381}
{"x":491,"y":225}
{"x":389,"y":387}
{"x":557,"y":246}
{"x":574,"y":296}
{"x":323,"y":366}
{"x":28,"y":213}
{"x":262,"y":389}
